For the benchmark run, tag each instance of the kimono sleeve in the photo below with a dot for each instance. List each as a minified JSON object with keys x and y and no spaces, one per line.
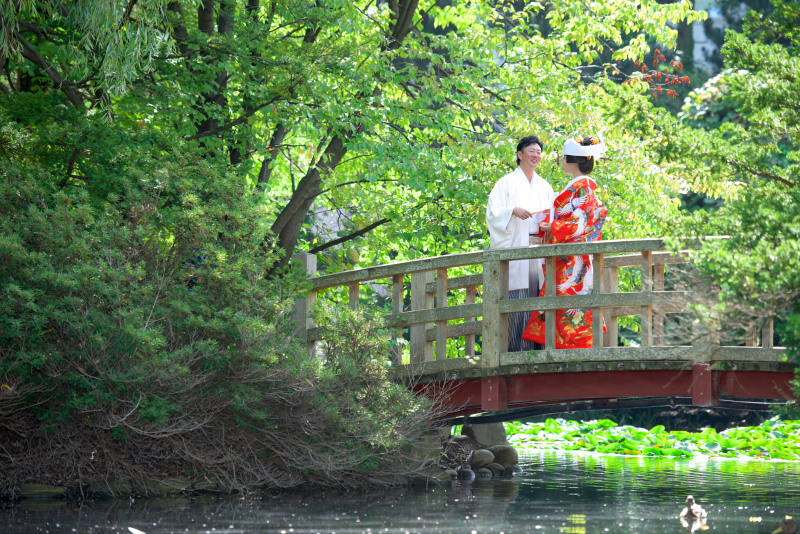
{"x":498,"y":215}
{"x":582,"y":222}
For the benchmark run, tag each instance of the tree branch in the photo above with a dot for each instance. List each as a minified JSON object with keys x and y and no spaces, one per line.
{"x":362,"y":231}
{"x":32,"y":54}
{"x":239,"y":120}
{"x":127,"y":15}
{"x":348,"y":237}
{"x":277,"y":138}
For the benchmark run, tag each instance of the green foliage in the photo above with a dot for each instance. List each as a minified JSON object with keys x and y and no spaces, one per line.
{"x":771,"y":440}
{"x":356,"y":385}
{"x":136,"y":313}
{"x":745,"y":131}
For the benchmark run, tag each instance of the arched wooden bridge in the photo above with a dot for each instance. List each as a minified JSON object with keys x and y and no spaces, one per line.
{"x":694,"y":367}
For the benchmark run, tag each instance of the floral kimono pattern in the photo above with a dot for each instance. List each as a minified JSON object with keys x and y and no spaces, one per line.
{"x":578,"y":217}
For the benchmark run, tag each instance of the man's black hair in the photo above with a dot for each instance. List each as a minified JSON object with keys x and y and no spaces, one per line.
{"x":526,"y":141}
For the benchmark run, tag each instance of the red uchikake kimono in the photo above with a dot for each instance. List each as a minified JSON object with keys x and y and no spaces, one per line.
{"x":579,"y":218}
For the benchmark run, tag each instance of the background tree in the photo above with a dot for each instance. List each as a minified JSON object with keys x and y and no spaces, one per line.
{"x":349,"y":116}
{"x":737,"y":140}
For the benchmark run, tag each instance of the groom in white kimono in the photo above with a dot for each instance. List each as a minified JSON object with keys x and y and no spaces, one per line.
{"x":516,"y":205}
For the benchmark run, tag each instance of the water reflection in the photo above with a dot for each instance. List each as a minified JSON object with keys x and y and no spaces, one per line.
{"x":559,"y":492}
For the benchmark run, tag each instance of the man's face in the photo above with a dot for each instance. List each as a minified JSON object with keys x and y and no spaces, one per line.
{"x":530,"y":155}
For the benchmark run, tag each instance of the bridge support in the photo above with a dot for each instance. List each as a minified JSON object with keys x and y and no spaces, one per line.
{"x":703,"y":391}
{"x":494,"y":393}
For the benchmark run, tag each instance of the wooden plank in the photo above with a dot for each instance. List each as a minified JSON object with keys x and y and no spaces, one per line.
{"x":421,"y":350}
{"x":457,"y":330}
{"x":397,"y":307}
{"x":658,"y":314}
{"x":549,"y":314}
{"x":403,"y":267}
{"x":557,"y":360}
{"x":597,"y":355}
{"x":301,"y":310}
{"x":469,"y":339}
{"x":611,"y":279}
{"x":352,"y":295}
{"x":450,"y":313}
{"x":629,"y":303}
{"x":749,"y":354}
{"x":599,"y":289}
{"x":447,"y":366}
{"x":575,"y":249}
{"x":495,"y":325}
{"x":635,"y":260}
{"x":647,"y":289}
{"x":627,"y":311}
{"x":441,"y":302}
{"x":459,"y":282}
{"x":674,"y":299}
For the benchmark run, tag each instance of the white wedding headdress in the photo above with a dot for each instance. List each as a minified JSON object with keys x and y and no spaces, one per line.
{"x":573,"y":147}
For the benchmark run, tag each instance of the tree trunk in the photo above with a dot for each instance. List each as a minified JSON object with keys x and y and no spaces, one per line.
{"x":289,"y":222}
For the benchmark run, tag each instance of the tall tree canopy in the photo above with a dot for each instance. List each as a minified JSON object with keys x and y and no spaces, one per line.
{"x":354,"y":118}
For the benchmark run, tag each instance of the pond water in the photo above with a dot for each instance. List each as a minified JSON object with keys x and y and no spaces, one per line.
{"x":558,"y":492}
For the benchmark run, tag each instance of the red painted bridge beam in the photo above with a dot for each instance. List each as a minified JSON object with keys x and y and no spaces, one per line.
{"x":703,"y":385}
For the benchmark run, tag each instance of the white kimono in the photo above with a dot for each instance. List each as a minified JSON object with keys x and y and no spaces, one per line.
{"x":507,"y":231}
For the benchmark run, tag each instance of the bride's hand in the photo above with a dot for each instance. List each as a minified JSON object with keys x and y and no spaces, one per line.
{"x":545,"y":226}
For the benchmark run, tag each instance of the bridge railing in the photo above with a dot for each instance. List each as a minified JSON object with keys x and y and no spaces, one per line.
{"x":429,"y":313}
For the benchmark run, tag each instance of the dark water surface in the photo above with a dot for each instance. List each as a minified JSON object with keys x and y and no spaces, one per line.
{"x":558,"y":492}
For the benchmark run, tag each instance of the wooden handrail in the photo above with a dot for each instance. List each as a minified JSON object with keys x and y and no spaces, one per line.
{"x":464,"y":259}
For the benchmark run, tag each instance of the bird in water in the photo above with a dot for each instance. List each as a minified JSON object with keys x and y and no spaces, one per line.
{"x":788,"y":526}
{"x":693,"y":516}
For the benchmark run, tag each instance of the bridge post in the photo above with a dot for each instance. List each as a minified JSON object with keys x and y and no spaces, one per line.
{"x":767,"y":334}
{"x":397,"y":307}
{"x":647,"y":287}
{"x":598,"y":264}
{"x":658,"y":314}
{"x":704,"y":391}
{"x":469,"y":339}
{"x":611,"y":279}
{"x":494,"y":335}
{"x":550,"y":291}
{"x":352,"y":295}
{"x":421,"y":350}
{"x":441,"y":326}
{"x":301,"y":311}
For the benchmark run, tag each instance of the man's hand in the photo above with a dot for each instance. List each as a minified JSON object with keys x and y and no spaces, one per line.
{"x":521,"y":213}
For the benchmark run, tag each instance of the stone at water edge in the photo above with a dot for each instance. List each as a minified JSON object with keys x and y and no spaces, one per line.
{"x":467,"y":474}
{"x":481,"y":458}
{"x":484,"y":473}
{"x":496,"y":468}
{"x":505,"y":455}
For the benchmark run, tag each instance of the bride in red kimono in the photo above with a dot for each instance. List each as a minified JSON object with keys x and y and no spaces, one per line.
{"x":577,"y":217}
